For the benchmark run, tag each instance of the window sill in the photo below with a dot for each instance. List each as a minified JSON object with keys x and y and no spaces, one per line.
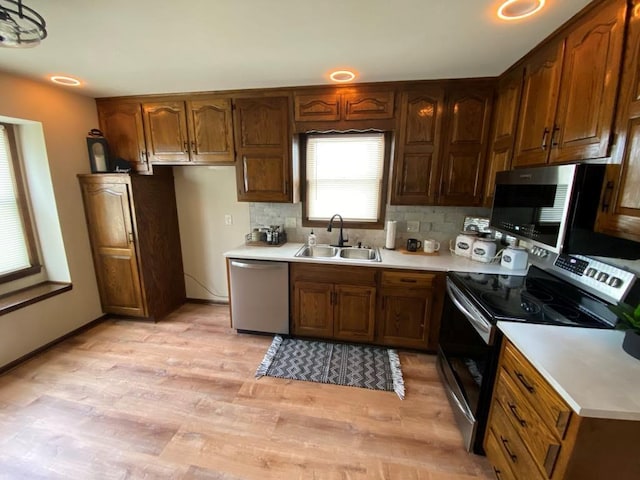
{"x":30,"y":295}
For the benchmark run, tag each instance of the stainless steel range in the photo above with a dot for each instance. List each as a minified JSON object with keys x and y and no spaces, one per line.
{"x":560,"y":290}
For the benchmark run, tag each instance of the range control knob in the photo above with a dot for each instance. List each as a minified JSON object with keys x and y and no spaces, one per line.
{"x":602,"y":277}
{"x":591,"y":272}
{"x":615,"y":282}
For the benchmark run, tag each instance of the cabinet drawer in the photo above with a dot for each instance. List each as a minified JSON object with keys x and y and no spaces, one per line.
{"x":511,"y":447}
{"x":499,"y":461}
{"x":552,"y":409}
{"x":407,"y":279}
{"x":542,"y":444}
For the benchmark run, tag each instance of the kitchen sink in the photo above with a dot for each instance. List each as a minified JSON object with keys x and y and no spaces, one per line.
{"x":340,"y":254}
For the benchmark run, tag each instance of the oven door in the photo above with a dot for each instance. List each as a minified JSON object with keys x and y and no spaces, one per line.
{"x":466,"y":363}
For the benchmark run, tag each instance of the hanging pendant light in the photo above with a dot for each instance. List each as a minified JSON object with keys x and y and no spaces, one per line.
{"x":20,"y":26}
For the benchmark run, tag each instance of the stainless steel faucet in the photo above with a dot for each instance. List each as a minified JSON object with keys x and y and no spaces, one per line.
{"x":340,"y":236}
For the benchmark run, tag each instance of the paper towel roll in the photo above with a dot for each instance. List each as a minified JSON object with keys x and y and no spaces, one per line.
{"x":390,"y":241}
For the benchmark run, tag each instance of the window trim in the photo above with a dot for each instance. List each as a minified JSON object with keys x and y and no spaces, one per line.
{"x":377,"y":225}
{"x":25,"y":212}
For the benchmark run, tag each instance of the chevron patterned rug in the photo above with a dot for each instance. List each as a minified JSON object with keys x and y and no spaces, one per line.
{"x":362,"y":366}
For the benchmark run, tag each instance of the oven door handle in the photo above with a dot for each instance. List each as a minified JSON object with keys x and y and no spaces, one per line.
{"x":481,"y":323}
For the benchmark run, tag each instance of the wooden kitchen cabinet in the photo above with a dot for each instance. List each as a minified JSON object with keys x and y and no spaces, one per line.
{"x":620,"y":206}
{"x":463,"y":149}
{"x":569,"y":92}
{"x":197,"y":131}
{"x":416,"y":165}
{"x":133,"y":229}
{"x":533,"y":434}
{"x":409,"y":306}
{"x":503,"y":131}
{"x":342,"y":108}
{"x":122,"y":125}
{"x":333,"y":301}
{"x":264,"y":170}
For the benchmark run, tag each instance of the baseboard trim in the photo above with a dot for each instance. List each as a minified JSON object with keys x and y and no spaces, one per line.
{"x":87,"y":326}
{"x":206,"y":302}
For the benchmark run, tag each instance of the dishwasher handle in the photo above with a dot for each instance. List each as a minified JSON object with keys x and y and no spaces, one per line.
{"x":255,"y":266}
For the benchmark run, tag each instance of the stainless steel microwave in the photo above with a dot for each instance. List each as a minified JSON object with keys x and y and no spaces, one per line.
{"x":556,"y":208}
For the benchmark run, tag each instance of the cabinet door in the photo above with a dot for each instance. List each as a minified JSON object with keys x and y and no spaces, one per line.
{"x":354,"y":313}
{"x":108,"y":212}
{"x":121,"y":123}
{"x":368,"y":105}
{"x":464,"y":147}
{"x":404,"y":318}
{"x":505,"y":119}
{"x":620,"y":215}
{"x":538,"y":106}
{"x":313,"y":309}
{"x":210,"y":131}
{"x":589,"y":85}
{"x":317,"y":107}
{"x":415,"y":169}
{"x":165,"y":126}
{"x":261,"y":129}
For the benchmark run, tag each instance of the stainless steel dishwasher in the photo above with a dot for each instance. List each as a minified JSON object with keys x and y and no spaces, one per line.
{"x":259,"y":295}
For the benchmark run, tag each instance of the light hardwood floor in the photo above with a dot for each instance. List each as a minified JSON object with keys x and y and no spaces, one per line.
{"x":178,"y":399}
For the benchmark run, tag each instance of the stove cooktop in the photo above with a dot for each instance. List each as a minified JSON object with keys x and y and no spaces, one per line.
{"x":538,"y":297}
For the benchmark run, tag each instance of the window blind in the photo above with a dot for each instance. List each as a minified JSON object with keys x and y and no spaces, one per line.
{"x":14,"y":255}
{"x":344,"y":175}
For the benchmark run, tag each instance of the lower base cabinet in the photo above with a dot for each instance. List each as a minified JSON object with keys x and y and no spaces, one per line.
{"x":364,"y":304}
{"x":532,"y":434}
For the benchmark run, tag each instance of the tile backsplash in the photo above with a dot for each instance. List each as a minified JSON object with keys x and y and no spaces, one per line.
{"x":439,"y":223}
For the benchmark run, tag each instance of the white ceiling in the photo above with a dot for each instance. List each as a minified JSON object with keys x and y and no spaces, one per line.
{"x":128,"y":47}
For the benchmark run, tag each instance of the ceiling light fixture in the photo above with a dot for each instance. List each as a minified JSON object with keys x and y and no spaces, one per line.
{"x":62,"y":80}
{"x":517,"y":9}
{"x":20,"y":26}
{"x":342,"y":76}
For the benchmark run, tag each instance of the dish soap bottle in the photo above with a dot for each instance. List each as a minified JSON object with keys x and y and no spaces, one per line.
{"x":311,"y":239}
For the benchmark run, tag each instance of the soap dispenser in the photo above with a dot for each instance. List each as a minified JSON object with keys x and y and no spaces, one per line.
{"x":311,"y":240}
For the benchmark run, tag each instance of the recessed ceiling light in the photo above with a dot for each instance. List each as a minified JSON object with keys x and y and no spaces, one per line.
{"x":516,"y":9}
{"x":62,"y":80}
{"x":342,"y":76}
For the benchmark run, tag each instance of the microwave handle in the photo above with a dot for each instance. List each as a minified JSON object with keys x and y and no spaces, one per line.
{"x":481,"y":323}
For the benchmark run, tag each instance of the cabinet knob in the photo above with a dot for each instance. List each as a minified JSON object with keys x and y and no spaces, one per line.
{"x":130,"y":237}
{"x":194,"y":146}
{"x":554,"y":142}
{"x":545,"y":134}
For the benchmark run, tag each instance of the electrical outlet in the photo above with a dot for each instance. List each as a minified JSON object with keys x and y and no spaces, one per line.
{"x":290,"y":222}
{"x":228,"y":219}
{"x":413,"y":226}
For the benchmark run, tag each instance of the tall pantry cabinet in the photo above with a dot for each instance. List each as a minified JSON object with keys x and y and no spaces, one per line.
{"x":135,"y":241}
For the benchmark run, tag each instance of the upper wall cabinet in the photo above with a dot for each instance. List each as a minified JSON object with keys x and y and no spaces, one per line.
{"x":196,"y":131}
{"x":503,"y":131}
{"x":415,"y":170}
{"x":121,"y":123}
{"x":620,"y":205}
{"x":343,"y":108}
{"x":569,"y":91}
{"x":466,"y":132}
{"x":264,"y":171}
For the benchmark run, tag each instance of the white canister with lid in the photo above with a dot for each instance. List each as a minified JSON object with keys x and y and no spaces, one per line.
{"x":483,"y":250}
{"x":464,"y":243}
{"x":515,"y":258}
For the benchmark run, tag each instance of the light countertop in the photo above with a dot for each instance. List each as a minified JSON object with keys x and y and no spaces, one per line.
{"x":443,"y":262}
{"x":586,"y":366}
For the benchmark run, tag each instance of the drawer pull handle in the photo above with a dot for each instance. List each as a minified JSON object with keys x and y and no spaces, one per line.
{"x":524,"y":382}
{"x":408,"y":280}
{"x":514,"y":411}
{"x":498,"y":473}
{"x":512,"y":456}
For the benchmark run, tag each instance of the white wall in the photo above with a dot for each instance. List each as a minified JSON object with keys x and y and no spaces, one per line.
{"x":66,"y":118}
{"x":204,"y":195}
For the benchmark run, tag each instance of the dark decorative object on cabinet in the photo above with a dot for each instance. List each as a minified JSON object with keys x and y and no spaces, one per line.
{"x":98,"y":152}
